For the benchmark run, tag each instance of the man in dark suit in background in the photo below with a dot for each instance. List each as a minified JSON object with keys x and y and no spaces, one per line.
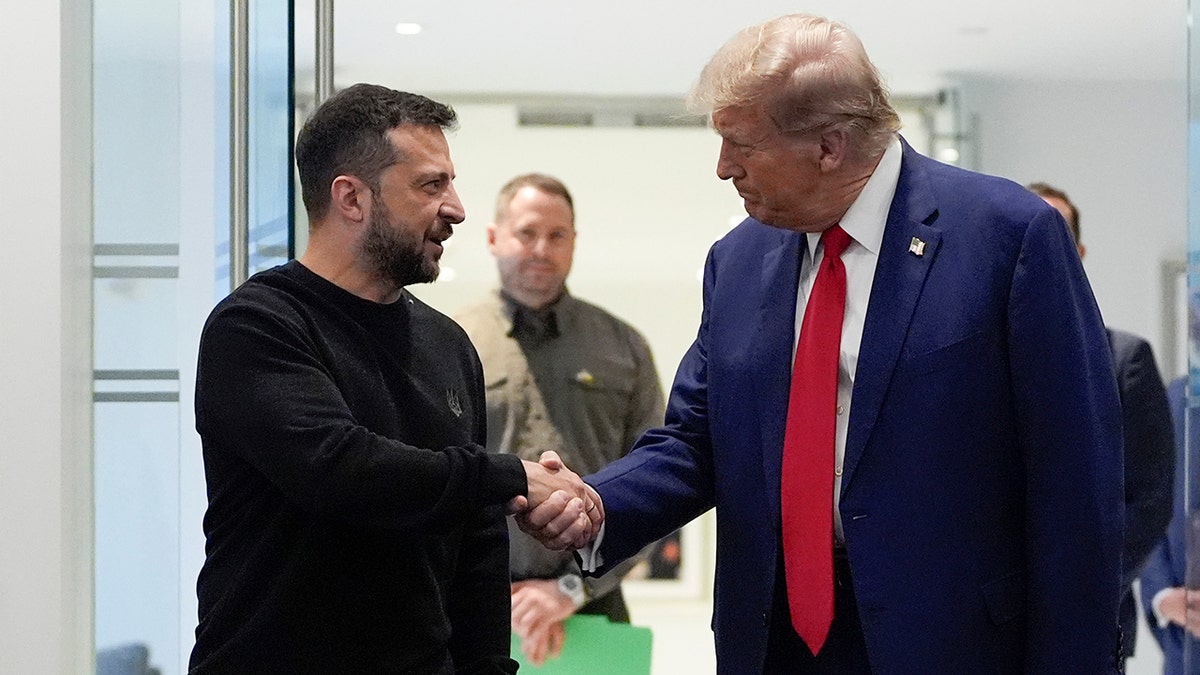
{"x":1174,"y":618}
{"x":935,"y":485}
{"x":1148,"y":449}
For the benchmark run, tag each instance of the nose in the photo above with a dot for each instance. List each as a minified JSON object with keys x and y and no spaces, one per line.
{"x":452,"y":209}
{"x":727,"y":166}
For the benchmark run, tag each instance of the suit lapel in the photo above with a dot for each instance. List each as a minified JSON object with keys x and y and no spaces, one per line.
{"x":773,"y":352}
{"x":899,"y":278}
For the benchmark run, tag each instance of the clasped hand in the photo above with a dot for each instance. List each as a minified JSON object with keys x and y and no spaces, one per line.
{"x":560,"y":510}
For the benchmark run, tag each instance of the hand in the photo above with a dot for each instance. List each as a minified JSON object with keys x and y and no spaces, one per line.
{"x":538,"y":612}
{"x":1182,"y":608}
{"x":544,"y":644}
{"x":561,"y":511}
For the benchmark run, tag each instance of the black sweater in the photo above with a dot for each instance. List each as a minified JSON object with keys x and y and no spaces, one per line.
{"x":354,"y":523}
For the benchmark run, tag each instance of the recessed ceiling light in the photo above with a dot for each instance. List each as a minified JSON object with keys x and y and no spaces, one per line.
{"x":403,"y":28}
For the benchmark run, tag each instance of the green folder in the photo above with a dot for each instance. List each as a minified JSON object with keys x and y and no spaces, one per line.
{"x":595,"y":646}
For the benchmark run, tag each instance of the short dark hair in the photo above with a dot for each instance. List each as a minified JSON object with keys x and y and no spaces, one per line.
{"x":347,"y":135}
{"x":1047,"y":190}
{"x":548,"y":184}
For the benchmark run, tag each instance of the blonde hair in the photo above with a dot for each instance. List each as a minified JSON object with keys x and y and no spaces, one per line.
{"x":809,"y":73}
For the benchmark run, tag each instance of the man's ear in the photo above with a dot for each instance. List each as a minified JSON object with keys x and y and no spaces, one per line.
{"x":491,"y":237}
{"x":834,"y":144}
{"x":350,"y":198}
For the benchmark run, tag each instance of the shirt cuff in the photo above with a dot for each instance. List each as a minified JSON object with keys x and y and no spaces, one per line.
{"x":589,"y":556}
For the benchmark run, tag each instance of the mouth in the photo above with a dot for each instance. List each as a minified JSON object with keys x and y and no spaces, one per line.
{"x":441,"y":234}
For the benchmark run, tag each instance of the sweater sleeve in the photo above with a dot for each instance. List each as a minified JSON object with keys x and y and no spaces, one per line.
{"x":479,"y":602}
{"x":264,"y":396}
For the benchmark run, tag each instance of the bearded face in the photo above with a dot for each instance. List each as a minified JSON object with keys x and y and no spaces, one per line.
{"x":403,"y":255}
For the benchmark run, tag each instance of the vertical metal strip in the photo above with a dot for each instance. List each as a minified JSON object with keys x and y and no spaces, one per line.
{"x":239,"y":144}
{"x":324,"y":51}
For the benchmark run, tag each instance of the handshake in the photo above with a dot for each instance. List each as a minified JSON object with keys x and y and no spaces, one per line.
{"x":560,"y":510}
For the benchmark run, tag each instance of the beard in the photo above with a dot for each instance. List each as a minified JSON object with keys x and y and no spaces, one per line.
{"x":395,"y":254}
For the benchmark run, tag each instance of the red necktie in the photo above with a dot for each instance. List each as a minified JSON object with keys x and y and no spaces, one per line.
{"x":808,"y":449}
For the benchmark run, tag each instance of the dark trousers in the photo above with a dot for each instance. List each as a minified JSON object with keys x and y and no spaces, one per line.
{"x":611,"y":605}
{"x":844,"y":652}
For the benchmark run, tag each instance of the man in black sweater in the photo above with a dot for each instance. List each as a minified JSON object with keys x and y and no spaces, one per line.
{"x":355,"y":522}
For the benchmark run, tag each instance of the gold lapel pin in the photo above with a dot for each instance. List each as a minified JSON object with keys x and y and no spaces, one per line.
{"x":916,"y":247}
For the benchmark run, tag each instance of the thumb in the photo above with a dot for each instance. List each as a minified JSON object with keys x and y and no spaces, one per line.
{"x":551,"y":460}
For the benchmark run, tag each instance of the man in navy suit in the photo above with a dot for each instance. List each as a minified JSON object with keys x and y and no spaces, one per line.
{"x":976,"y":466}
{"x":1149,"y":448}
{"x":1174,"y":618}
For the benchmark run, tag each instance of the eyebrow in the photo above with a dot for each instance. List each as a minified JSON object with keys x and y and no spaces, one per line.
{"x":433,"y":174}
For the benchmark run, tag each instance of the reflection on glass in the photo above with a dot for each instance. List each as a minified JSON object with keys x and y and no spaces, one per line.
{"x":161,"y":75}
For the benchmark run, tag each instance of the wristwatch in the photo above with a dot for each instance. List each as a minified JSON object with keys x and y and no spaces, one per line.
{"x":571,"y":585}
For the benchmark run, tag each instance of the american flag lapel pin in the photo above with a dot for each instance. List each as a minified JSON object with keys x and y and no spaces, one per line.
{"x":916,"y":247}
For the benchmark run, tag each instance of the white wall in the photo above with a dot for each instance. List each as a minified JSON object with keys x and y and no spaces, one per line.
{"x":1119,"y":149}
{"x":45,"y":302}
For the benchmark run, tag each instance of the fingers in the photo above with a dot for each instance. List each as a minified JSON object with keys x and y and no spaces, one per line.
{"x":594,"y":510}
{"x":559,"y":523}
{"x":516,"y":505}
{"x":541,"y":482}
{"x":544,"y":641}
{"x":558,"y":637}
{"x":534,"y":616}
{"x":561,"y":510}
{"x":558,"y":503}
{"x":536,"y":646}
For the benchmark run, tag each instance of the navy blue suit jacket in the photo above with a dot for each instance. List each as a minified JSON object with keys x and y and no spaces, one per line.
{"x":1149,"y":455}
{"x":1168,"y":564}
{"x":981,"y":495}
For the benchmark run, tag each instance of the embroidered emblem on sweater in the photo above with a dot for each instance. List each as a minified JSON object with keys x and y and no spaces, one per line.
{"x":452,"y":401}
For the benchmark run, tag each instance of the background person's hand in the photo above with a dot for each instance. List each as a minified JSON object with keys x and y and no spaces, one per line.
{"x":1182,"y":608}
{"x":538,"y":612}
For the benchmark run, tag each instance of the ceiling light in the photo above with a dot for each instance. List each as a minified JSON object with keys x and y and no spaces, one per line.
{"x":404,"y":28}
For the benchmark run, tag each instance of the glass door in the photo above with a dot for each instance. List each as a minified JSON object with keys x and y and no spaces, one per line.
{"x":162,"y":117}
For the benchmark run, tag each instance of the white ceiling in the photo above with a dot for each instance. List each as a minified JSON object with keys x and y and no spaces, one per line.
{"x":657,"y":47}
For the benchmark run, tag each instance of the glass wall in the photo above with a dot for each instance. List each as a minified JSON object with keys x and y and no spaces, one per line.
{"x":161,"y":202}
{"x":1183,"y":536}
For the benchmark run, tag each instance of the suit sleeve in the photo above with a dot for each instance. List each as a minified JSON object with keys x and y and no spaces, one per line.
{"x":667,"y":480}
{"x":1068,"y":427}
{"x":1166,"y":566}
{"x":1158,"y":575}
{"x":1149,"y":455}
{"x":645,"y":412}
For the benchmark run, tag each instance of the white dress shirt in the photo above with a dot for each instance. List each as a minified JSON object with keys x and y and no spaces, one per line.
{"x":864,"y":222}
